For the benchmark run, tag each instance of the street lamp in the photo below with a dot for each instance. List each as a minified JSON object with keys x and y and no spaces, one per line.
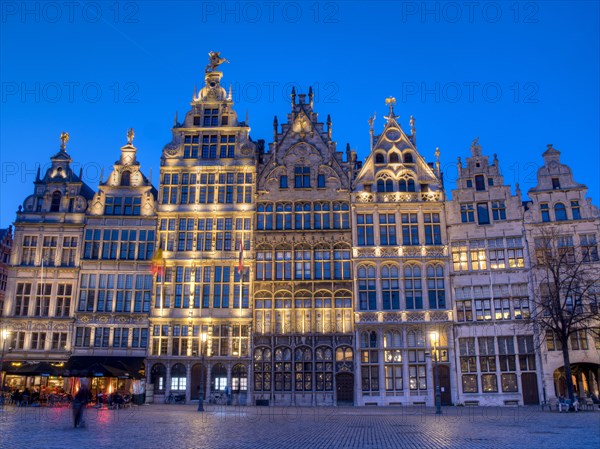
{"x":201,"y":393}
{"x":434,"y":353}
{"x":4,"y":335}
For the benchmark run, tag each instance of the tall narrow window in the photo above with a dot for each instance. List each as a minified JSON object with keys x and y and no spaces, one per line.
{"x":575,"y":210}
{"x":479,"y":182}
{"x":483,"y":215}
{"x":55,"y":203}
{"x":545,"y":212}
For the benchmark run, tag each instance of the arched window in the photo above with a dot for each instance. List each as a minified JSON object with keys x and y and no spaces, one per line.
{"x":262,"y":369}
{"x":392,"y":339}
{"x":379,"y":158}
{"x":373,"y":339}
{"x":394,"y":159}
{"x":158,"y":375}
{"x":239,"y":378}
{"x":367,"y":295}
{"x":408,"y":158}
{"x":324,"y":369}
{"x":389,"y":185}
{"x":560,"y":212}
{"x":435,"y":287}
{"x":126,"y":178}
{"x":343,"y":354}
{"x":55,"y":204}
{"x":178,"y":377}
{"x":303,"y":369}
{"x":402,"y":186}
{"x":390,"y":288}
{"x":411,"y":185}
{"x":218,"y":375}
{"x":283,"y":369}
{"x":412,"y":287}
{"x":380,"y":185}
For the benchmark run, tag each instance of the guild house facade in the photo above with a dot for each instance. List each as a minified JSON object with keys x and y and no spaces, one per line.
{"x":291,"y":273}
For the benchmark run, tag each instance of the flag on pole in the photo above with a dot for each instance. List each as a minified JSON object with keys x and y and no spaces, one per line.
{"x":241,"y":258}
{"x":158,"y":262}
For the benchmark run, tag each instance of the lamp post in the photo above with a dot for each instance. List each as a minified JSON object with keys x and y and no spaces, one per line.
{"x":201,"y":392}
{"x":4,"y":335}
{"x":438,"y":392}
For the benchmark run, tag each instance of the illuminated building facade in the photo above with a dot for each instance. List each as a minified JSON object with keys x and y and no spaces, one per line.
{"x":44,"y":267}
{"x":205,"y":212}
{"x":113,"y":301}
{"x":303,"y":343}
{"x":296,"y":275}
{"x":495,"y":347}
{"x":400,"y":268}
{"x":6,"y":239}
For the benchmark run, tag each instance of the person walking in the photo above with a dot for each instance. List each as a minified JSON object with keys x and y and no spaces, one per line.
{"x":79,"y":402}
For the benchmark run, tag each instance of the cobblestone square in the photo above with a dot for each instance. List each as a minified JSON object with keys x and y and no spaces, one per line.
{"x":181,"y":426}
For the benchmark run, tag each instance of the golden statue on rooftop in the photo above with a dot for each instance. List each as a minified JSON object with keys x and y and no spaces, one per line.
{"x":130,"y":136}
{"x":214,"y":60}
{"x":64,"y":138}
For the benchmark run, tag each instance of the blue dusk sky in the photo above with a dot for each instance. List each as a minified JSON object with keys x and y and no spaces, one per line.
{"x":519,"y":75}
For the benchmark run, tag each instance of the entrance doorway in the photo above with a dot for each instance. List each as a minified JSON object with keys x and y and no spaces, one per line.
{"x":344,"y":388}
{"x":444,"y":375}
{"x":529,"y":386}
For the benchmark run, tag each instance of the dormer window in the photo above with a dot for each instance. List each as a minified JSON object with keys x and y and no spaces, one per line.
{"x":555,"y":183}
{"x":302,"y":177}
{"x":394,"y":159}
{"x":126,"y":178}
{"x":379,"y":158}
{"x":408,"y":158}
{"x":55,"y":204}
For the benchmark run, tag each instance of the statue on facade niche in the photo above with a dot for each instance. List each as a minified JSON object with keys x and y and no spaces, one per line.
{"x":214,"y":60}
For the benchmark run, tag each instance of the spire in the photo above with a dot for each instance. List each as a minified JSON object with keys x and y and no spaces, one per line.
{"x":413,"y":130}
{"x":293,"y":96}
{"x":195,"y":93}
{"x":329,"y":130}
{"x":275,"y":127}
{"x":310,"y":96}
{"x":230,"y":94}
{"x":37,"y":175}
{"x":175,"y":122}
{"x":101,"y":174}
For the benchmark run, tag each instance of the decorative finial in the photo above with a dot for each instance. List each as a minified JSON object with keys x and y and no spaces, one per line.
{"x":130,"y":136}
{"x":371,"y":121}
{"x":310,"y":96}
{"x":412,"y":124}
{"x":437,"y":153}
{"x":391,"y":101}
{"x":293,"y":95}
{"x":230,"y":94}
{"x":437,"y":162}
{"x":549,"y":146}
{"x":64,"y":139}
{"x":195,"y":97}
{"x":214,"y":61}
{"x":175,"y":120}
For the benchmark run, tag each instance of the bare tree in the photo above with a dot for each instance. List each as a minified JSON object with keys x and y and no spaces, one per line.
{"x":567,"y":290}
